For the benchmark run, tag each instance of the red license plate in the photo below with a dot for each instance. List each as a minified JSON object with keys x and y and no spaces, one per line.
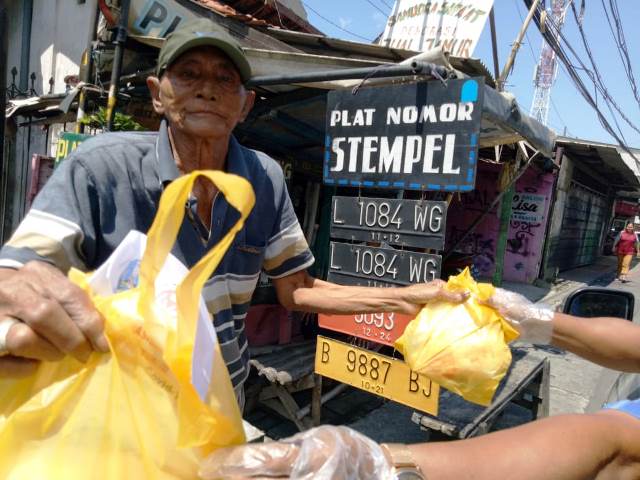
{"x":383,"y":328}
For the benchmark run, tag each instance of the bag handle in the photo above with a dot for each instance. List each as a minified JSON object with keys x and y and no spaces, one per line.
{"x":164,"y":231}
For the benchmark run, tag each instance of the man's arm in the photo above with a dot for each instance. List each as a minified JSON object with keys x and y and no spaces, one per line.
{"x":301,"y":292}
{"x":605,"y":445}
{"x":610,"y":342}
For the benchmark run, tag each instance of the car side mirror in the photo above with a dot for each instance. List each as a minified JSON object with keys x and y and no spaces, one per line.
{"x":600,"y":302}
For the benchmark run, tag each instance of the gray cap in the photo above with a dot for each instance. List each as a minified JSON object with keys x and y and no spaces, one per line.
{"x":200,"y":32}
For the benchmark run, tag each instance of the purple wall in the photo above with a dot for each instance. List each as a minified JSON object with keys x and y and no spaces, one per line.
{"x":527,"y":227}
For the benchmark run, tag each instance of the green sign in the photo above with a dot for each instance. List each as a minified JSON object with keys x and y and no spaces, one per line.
{"x":67,"y":143}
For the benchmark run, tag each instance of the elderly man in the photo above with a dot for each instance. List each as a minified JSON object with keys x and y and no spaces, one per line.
{"x":111,"y":185}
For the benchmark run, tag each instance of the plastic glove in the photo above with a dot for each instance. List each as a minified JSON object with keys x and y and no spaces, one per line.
{"x":322,"y":453}
{"x":533,"y":322}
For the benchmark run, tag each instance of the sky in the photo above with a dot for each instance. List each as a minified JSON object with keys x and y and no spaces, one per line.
{"x":364,"y":20}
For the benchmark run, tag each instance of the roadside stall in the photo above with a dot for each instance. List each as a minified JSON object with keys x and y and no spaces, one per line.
{"x":372,"y":176}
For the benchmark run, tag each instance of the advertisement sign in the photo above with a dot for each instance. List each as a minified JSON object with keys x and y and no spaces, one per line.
{"x":412,"y":223}
{"x":421,"y":25}
{"x":365,"y":266}
{"x":67,"y":143}
{"x":528,"y":207}
{"x":383,"y":328}
{"x":377,"y":374}
{"x":422,"y":136}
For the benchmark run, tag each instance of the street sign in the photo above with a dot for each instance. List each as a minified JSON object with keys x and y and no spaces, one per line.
{"x":67,"y":143}
{"x":412,"y":223}
{"x":353,"y":264}
{"x":383,"y":328}
{"x":421,"y":136}
{"x":375,"y":373}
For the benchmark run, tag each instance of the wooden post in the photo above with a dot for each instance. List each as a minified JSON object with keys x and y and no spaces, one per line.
{"x":494,"y":44}
{"x":516,"y":45}
{"x":116,"y":69}
{"x":501,"y":246}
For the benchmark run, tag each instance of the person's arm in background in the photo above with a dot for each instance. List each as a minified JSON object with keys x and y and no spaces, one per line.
{"x":605,"y":445}
{"x":301,"y":292}
{"x":288,"y":256}
{"x":610,"y":342}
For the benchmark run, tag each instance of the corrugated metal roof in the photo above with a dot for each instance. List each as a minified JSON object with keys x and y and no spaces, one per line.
{"x":619,"y":168}
{"x":317,"y":44}
{"x":273,"y":12}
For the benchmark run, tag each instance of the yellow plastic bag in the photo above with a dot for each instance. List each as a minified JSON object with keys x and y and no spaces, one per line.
{"x":462,"y":347}
{"x":133,"y":412}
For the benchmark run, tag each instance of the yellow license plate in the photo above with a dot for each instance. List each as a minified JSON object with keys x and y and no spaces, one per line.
{"x":375,"y":373}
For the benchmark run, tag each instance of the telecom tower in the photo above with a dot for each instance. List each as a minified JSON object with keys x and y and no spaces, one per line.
{"x":545,"y":72}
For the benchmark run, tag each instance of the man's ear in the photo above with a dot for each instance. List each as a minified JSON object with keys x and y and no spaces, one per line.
{"x":153,"y":83}
{"x":249,"y":100}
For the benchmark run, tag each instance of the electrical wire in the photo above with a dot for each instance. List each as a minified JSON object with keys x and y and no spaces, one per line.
{"x":335,"y":24}
{"x":596,"y":77}
{"x":376,"y":7}
{"x":552,"y":39}
{"x":621,"y":43}
{"x":386,"y":4}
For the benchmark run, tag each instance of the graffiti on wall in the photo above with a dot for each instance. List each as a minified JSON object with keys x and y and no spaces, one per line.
{"x":525,"y":239}
{"x":478,"y":251}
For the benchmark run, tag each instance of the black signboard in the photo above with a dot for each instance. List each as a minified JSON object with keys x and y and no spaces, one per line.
{"x":421,"y":136}
{"x":362,"y":265}
{"x":413,"y":223}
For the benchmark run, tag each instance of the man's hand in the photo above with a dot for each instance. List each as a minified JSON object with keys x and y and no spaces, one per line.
{"x":418,"y":295}
{"x":321,"y":453}
{"x":533,"y":322}
{"x":45,"y":316}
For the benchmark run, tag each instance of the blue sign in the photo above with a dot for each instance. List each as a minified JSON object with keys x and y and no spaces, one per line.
{"x":421,"y":136}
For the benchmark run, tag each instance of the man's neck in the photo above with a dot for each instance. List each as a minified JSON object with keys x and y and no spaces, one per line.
{"x":198,"y":154}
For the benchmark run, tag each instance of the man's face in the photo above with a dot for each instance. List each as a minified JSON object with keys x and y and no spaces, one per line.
{"x":201,"y":94}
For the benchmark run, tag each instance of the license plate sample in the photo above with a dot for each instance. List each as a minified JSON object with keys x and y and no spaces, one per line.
{"x":367,"y":266}
{"x":383,"y":328}
{"x":375,"y":373}
{"x":413,"y":223}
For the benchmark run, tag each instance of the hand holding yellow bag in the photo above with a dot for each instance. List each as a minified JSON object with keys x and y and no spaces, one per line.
{"x":150,"y":408}
{"x":462,"y":347}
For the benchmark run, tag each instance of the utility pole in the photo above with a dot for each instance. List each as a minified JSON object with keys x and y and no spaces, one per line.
{"x":508,"y":168}
{"x":4,"y":163}
{"x":516,"y":46}
{"x":121,"y":39}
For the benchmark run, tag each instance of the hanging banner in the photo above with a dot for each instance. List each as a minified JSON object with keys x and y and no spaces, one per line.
{"x":422,"y":25}
{"x":421,"y":136}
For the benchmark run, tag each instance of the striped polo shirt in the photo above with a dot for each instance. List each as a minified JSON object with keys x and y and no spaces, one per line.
{"x":112,"y":183}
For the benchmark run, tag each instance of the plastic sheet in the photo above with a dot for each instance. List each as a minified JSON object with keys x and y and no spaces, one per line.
{"x":145,"y":409}
{"x":322,"y":453}
{"x":462,"y":347}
